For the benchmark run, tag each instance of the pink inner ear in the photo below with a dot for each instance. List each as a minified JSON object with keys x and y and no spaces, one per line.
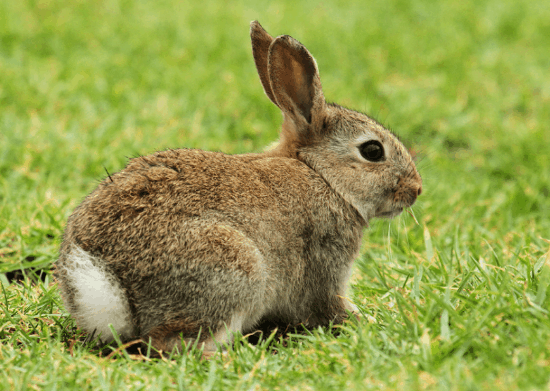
{"x":297,"y":71}
{"x":302,"y":90}
{"x":295,"y":85}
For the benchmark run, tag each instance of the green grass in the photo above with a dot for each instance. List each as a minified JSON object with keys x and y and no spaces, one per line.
{"x":459,"y":302}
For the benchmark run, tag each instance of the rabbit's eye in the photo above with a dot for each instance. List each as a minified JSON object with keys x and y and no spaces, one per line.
{"x":372,"y":151}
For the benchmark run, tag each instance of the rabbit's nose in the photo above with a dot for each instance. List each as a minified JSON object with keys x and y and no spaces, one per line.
{"x":419,"y":191}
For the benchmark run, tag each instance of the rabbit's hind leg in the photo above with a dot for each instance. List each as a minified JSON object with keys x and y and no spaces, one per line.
{"x":224,"y":336}
{"x":213,"y":287}
{"x":173,"y":337}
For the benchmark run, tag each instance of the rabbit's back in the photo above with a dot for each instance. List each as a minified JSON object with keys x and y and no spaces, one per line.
{"x":162,"y":196}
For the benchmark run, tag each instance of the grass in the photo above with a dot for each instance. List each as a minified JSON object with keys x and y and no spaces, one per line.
{"x":459,"y":302}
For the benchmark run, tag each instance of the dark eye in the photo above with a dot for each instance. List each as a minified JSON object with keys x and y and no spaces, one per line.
{"x":372,"y":151}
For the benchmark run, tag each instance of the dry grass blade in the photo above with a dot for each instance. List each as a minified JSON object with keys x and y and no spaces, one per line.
{"x":409,"y":211}
{"x":126,"y":346}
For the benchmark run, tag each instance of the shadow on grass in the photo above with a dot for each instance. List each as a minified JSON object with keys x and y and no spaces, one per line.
{"x":32,"y":274}
{"x":268,"y":335}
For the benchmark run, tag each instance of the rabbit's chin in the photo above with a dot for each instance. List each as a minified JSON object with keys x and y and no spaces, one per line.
{"x":389,"y":214}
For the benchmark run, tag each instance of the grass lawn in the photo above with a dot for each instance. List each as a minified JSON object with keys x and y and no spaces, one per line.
{"x":458,"y":302}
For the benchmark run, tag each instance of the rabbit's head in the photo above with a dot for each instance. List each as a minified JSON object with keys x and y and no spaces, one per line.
{"x":359,"y":158}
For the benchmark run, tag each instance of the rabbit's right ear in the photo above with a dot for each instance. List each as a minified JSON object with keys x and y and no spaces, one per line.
{"x":261,"y":41}
{"x":289,"y":75}
{"x":295,"y":82}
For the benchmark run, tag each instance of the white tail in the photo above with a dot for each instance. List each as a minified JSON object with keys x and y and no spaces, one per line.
{"x":99,"y":299}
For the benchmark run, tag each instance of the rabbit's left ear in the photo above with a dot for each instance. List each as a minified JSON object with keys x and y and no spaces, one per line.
{"x":261,"y":41}
{"x":295,"y":82}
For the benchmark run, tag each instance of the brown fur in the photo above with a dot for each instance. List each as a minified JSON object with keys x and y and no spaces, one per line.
{"x":197,"y":239}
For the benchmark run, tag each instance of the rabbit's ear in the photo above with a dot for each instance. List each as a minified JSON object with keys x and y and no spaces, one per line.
{"x":260,"y":48}
{"x":295,"y":81}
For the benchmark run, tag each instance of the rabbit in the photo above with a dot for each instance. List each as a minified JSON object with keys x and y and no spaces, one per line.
{"x":188,"y":246}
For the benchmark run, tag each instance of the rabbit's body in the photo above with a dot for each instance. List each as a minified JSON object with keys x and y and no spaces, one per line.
{"x":234,"y":222}
{"x":184,"y":242}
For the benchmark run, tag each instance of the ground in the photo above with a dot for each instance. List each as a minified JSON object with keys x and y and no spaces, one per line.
{"x":457,"y":302}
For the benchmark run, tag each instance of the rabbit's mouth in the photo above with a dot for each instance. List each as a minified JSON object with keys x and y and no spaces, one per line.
{"x":389,"y":214}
